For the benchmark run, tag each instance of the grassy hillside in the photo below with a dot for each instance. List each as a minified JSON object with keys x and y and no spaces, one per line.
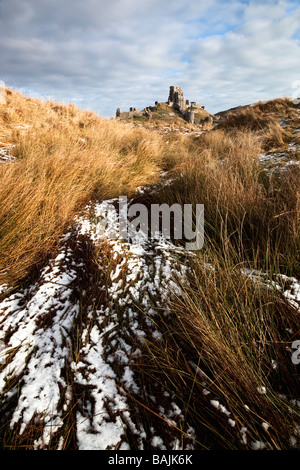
{"x":64,"y":158}
{"x":164,"y":115}
{"x":113,"y":344}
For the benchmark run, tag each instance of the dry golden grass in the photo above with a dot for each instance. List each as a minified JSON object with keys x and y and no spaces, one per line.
{"x":256,"y":213}
{"x":232,"y":331}
{"x":229,"y":327}
{"x":297,"y":138}
{"x":278,"y":106}
{"x":275,"y":137}
{"x":221,"y":172}
{"x":263,"y":118}
{"x":251,"y":119}
{"x":65,"y":157}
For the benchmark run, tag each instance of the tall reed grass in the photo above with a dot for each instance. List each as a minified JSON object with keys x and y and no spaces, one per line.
{"x":255,"y":213}
{"x":224,"y":351}
{"x":226,"y":344}
{"x":65,"y":157}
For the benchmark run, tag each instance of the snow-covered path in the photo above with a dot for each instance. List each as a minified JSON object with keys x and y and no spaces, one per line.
{"x":72,"y":338}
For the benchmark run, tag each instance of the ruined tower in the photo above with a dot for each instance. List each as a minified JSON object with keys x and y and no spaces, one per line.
{"x":176,"y":98}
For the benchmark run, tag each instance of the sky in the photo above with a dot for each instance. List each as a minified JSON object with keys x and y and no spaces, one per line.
{"x":109,"y":54}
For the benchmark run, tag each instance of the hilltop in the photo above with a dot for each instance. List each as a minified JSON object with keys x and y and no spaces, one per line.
{"x":176,"y":111}
{"x":114,"y":342}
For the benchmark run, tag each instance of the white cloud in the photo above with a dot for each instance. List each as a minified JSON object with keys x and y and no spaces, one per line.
{"x":125,"y":53}
{"x":257,"y":60}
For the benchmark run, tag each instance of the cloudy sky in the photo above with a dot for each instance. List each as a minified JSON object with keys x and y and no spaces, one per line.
{"x":105,"y":54}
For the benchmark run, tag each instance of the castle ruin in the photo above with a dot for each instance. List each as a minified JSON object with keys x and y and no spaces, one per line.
{"x":186,"y":109}
{"x":176,"y":98}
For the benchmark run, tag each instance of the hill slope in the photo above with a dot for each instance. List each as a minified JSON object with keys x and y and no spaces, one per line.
{"x":137,"y":342}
